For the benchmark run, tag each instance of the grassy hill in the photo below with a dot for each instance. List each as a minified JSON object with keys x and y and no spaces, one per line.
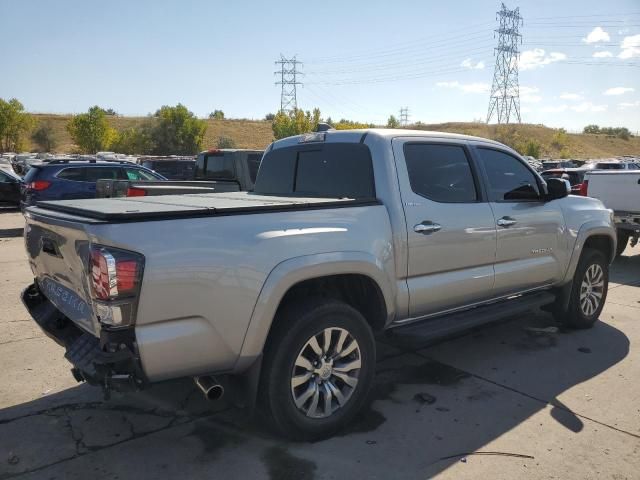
{"x":258,"y":134}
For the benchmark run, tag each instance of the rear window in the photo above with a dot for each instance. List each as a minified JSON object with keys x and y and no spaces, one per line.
{"x":31,"y":174}
{"x":98,"y":173}
{"x":334,"y":170}
{"x":73,"y":174}
{"x":609,"y":166}
{"x":215,"y":166}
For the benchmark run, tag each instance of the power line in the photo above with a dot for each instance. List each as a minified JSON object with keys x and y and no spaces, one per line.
{"x":505,"y":91}
{"x":289,"y":81}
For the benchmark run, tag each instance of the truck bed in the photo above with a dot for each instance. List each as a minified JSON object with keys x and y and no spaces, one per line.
{"x":181,"y":206}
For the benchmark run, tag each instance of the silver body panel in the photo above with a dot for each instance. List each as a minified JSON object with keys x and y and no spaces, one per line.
{"x":212,"y":285}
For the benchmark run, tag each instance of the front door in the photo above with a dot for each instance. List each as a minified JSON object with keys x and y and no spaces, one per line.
{"x":451,"y":232}
{"x":530,"y":230}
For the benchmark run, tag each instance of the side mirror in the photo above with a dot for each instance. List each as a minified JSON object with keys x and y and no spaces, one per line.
{"x":557,"y":188}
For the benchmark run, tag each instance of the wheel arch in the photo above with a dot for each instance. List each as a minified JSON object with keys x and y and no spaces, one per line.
{"x":598,"y":235}
{"x":313,"y":274}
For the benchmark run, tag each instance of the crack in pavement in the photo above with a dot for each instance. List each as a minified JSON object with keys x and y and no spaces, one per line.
{"x":82,"y":449}
{"x":21,"y":340}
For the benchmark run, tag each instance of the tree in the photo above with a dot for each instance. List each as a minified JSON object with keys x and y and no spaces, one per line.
{"x":393,"y":122}
{"x":111,"y":112}
{"x":269,"y":117}
{"x":134,"y":140}
{"x":14,"y":124}
{"x":177,"y":131}
{"x":45,"y":137}
{"x":591,"y":129}
{"x":294,"y":123}
{"x":217,"y":115}
{"x":226,"y":142}
{"x":90,"y":131}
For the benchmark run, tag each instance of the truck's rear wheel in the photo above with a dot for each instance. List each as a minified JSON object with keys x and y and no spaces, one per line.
{"x":318,"y":368}
{"x":623,"y":240}
{"x":589,"y":290}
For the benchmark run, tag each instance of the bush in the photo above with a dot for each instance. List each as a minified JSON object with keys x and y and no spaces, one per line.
{"x":269,"y":117}
{"x":560,"y":139}
{"x":532,"y":149}
{"x":226,"y":142}
{"x":134,"y":140}
{"x":91,"y":131}
{"x":393,"y":122}
{"x":44,"y":137}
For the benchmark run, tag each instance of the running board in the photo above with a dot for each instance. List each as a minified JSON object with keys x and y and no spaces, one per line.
{"x":443,"y":326}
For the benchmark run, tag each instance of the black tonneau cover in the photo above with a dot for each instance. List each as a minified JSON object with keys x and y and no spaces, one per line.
{"x":180,"y":206}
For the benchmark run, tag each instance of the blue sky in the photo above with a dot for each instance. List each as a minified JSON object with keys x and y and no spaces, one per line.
{"x":362,"y":60}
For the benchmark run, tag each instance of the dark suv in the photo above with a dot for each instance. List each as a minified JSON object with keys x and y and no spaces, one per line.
{"x":68,"y":179}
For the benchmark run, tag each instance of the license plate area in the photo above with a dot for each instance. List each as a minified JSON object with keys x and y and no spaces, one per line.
{"x":69,"y":303}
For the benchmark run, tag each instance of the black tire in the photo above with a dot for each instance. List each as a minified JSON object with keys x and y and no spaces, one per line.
{"x":296,"y":325}
{"x":623,"y":240}
{"x":576,"y":317}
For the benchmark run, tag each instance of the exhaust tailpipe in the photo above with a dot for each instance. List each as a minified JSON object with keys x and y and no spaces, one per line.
{"x":210,"y":387}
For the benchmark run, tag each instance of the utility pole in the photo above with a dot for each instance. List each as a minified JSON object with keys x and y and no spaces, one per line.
{"x":504,"y":101}
{"x":288,"y":74}
{"x":404,"y":116}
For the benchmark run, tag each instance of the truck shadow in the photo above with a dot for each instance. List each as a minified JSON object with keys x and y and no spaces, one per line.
{"x":430,"y":405}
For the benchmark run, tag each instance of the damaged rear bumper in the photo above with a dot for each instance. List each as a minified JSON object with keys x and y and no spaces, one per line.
{"x":111,"y":361}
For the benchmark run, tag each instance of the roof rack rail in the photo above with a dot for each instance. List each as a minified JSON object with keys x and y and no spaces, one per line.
{"x":88,"y":160}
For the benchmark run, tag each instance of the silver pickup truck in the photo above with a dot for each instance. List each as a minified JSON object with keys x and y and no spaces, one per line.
{"x":281,"y":291}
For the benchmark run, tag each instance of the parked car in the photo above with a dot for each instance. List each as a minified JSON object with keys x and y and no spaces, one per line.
{"x":347,"y":234}
{"x":548,"y":164}
{"x":6,"y":165}
{"x":612,"y":165}
{"x":67,"y":179}
{"x":229,"y":165}
{"x":183,"y":168}
{"x":9,"y":188}
{"x":619,"y":191}
{"x":574,"y":176}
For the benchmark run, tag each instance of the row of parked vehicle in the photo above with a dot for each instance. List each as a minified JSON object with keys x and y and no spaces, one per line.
{"x":63,"y":177}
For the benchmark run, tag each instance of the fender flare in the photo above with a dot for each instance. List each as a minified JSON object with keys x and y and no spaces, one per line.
{"x":589,"y":229}
{"x":295,"y":270}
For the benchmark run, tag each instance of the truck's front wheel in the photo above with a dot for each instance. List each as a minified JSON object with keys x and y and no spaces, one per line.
{"x":318,"y":368}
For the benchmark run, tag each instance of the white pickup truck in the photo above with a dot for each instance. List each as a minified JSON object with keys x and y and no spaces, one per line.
{"x":619,"y":190}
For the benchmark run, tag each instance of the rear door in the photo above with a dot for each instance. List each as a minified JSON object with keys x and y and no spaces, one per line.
{"x":451,"y":230}
{"x":530,"y":231}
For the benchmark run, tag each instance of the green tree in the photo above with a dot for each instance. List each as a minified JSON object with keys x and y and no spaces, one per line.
{"x":591,"y":129}
{"x":45,"y":137}
{"x":134,"y":140}
{"x":217,"y":115}
{"x":269,"y":117}
{"x":226,"y":142}
{"x":15,"y":123}
{"x":393,"y":122}
{"x":91,"y":131}
{"x":177,"y":131}
{"x":294,"y":123}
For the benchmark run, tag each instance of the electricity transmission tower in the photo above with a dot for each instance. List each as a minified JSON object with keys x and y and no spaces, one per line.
{"x":404,"y":116}
{"x":289,"y":80}
{"x":504,"y":101}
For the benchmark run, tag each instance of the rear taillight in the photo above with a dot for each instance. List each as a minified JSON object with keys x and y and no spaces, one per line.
{"x":38,"y":185}
{"x":115,"y":276}
{"x":136,"y":192}
{"x":584,"y":187}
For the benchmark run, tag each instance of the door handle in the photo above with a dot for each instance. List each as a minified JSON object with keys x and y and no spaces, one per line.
{"x":427,"y":227}
{"x":506,"y":222}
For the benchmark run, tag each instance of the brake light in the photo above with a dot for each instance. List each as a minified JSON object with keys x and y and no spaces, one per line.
{"x":136,"y":192}
{"x":115,"y":276}
{"x":39,"y":185}
{"x":584,"y":187}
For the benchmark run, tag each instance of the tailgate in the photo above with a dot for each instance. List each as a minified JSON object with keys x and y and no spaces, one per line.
{"x":58,"y":253}
{"x":619,"y":191}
